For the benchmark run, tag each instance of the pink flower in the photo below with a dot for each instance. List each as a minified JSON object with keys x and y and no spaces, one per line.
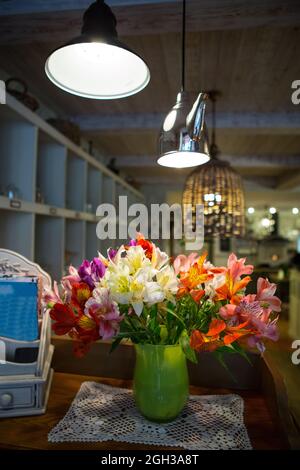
{"x":51,"y":297}
{"x":265,"y":294}
{"x":228,"y":311}
{"x":183,"y":263}
{"x":251,"y":311}
{"x":237,"y":267}
{"x":104,"y":311}
{"x":73,"y":275}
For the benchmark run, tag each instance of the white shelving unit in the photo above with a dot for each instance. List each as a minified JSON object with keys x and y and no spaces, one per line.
{"x":62,"y":229}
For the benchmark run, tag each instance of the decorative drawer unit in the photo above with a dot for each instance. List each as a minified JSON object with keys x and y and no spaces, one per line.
{"x":25,"y":366}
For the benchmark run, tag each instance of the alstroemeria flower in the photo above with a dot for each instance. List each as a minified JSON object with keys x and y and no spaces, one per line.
{"x":233,"y":289}
{"x":265,"y":295}
{"x":104,"y":312}
{"x":64,"y":319}
{"x":153,"y":293}
{"x":51,"y":297}
{"x":237,"y":267}
{"x":73,"y":275}
{"x":212,"y":339}
{"x":213,"y":284}
{"x":208,"y":341}
{"x":183,"y":263}
{"x":168,"y":282}
{"x":91,"y":272}
{"x":194,"y":277}
{"x":159,"y":258}
{"x":136,"y":259}
{"x":81,"y":292}
{"x":147,"y":247}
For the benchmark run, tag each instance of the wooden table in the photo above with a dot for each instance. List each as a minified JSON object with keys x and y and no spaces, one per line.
{"x":31,"y":432}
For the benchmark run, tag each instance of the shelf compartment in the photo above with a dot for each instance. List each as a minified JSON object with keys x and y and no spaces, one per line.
{"x":92,"y":244}
{"x":49,"y":244}
{"x":75,"y":243}
{"x":51,"y":171}
{"x":76,"y":183}
{"x":94,"y":189}
{"x":108,"y":190}
{"x":17,"y":232}
{"x":18,"y":158}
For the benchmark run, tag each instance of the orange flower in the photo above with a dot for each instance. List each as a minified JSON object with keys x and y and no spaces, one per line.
{"x":211,"y":340}
{"x":235,"y":332}
{"x":194,"y":277}
{"x":231,"y":288}
{"x":208,"y":341}
{"x":197,"y":294}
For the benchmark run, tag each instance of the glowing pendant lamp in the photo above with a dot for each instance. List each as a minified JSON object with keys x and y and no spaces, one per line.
{"x":183,"y":138}
{"x":96,"y":64}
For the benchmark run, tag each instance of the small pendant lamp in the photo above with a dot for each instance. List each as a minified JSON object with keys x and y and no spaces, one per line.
{"x":183,"y":139}
{"x":219,"y":188}
{"x":96,"y":64}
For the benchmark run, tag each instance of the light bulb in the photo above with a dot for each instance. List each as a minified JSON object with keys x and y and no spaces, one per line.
{"x":265,"y":222}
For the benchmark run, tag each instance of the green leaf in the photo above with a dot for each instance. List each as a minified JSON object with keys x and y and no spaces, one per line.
{"x":115,"y":343}
{"x":163,"y":334}
{"x":219,"y":356}
{"x":184,"y":341}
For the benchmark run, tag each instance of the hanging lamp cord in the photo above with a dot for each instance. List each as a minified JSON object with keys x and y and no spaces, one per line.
{"x":214,"y":151}
{"x":183,"y":47}
{"x":213,"y":132}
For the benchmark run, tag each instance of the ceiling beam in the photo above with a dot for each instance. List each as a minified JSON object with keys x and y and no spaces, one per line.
{"x":289,"y":181}
{"x":258,"y":123}
{"x":58,"y":21}
{"x":237,"y":161}
{"x":16,"y":7}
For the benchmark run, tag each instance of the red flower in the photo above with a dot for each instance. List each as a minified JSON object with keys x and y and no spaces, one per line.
{"x":64,"y":319}
{"x":146,"y":245}
{"x":81,"y":292}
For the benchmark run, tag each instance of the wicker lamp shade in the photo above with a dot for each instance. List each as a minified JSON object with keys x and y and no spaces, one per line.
{"x":219,"y":188}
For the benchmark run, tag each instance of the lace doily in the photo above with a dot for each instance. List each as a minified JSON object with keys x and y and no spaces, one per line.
{"x":103,"y":413}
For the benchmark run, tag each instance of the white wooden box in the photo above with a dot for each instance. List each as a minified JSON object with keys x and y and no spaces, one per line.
{"x":24,"y":388}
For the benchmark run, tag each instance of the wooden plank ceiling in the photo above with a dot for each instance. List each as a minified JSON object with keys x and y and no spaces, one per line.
{"x":248,"y":50}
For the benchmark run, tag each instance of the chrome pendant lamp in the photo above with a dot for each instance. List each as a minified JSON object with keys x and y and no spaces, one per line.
{"x":183,"y":139}
{"x":219,"y":188}
{"x":96,"y":64}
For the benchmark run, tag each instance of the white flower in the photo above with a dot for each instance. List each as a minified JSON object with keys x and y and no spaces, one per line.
{"x":168,"y":282}
{"x":136,"y":259}
{"x":159,"y":258}
{"x":211,"y":286}
{"x":153,"y":293}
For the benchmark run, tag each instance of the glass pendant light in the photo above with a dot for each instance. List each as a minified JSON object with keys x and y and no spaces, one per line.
{"x":183,"y":139}
{"x":219,"y":188}
{"x":96,"y":64}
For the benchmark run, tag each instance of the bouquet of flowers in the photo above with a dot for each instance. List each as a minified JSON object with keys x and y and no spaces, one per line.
{"x":137,"y":293}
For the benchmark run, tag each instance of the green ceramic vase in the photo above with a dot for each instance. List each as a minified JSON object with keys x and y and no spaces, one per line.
{"x":161,"y":384}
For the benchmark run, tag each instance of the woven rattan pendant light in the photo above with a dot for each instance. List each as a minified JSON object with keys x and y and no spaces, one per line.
{"x":219,"y":188}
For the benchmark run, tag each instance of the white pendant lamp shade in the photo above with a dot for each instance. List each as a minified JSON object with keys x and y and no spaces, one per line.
{"x":183,"y":141}
{"x":97,"y":70}
{"x":96,"y":64}
{"x":182,"y":159}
